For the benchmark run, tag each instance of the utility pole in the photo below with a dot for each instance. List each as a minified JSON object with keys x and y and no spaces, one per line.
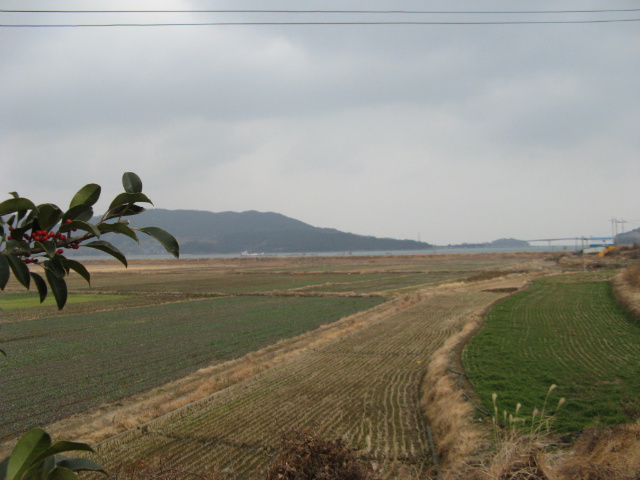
{"x":614,"y":228}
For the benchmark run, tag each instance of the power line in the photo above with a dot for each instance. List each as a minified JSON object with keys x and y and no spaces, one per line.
{"x":430,"y":12}
{"x":523,"y":22}
{"x":321,"y":12}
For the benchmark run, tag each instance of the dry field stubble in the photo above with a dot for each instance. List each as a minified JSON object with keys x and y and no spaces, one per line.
{"x":363,"y":386}
{"x":396,"y":438}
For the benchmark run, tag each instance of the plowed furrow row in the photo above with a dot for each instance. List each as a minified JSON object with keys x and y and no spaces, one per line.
{"x":364,"y":386}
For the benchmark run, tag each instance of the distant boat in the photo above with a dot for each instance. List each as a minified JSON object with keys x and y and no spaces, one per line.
{"x":247,"y":254}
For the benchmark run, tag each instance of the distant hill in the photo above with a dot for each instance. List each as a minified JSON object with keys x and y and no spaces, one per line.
{"x":629,"y":238}
{"x":200,"y":232}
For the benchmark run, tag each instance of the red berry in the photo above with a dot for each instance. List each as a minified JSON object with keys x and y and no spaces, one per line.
{"x":11,"y":229}
{"x":75,"y":246}
{"x":26,"y":237}
{"x":59,"y":251}
{"x":9,"y":237}
{"x":68,"y":220}
{"x":27,"y":260}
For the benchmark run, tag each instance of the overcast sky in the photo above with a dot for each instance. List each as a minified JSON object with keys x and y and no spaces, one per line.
{"x":454,"y":133}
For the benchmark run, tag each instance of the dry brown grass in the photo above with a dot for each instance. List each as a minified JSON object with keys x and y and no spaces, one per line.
{"x":304,"y":455}
{"x":609,"y":454}
{"x":626,"y":288}
{"x":448,"y":413}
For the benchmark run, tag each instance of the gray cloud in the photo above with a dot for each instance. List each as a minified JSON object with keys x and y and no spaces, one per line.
{"x":461,"y":133}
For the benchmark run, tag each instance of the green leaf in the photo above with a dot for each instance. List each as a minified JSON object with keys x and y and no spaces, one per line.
{"x":61,"y":473}
{"x":41,"y":285}
{"x":3,"y":463}
{"x":124,"y":211}
{"x":77,"y":267}
{"x":19,"y":269}
{"x":127,"y":198}
{"x":55,"y":265}
{"x":64,"y":446}
{"x":87,"y":195}
{"x":18,"y":233}
{"x":81,"y":464}
{"x":48,"y":247}
{"x":58,"y":287}
{"x":46,"y":467}
{"x":27,"y":223}
{"x":118,"y":227}
{"x":5,"y":273}
{"x":131,"y":183}
{"x":48,"y":216}
{"x":26,"y":452}
{"x":80,"y":225}
{"x":15,"y":205}
{"x":106,"y":247}
{"x":22,"y":245}
{"x":165,"y":238}
{"x":79,"y":212}
{"x":10,"y":246}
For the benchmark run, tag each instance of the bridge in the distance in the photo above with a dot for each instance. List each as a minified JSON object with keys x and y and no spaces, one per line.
{"x":590,"y":241}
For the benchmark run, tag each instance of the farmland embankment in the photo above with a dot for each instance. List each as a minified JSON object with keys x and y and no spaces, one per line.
{"x":626,"y":288}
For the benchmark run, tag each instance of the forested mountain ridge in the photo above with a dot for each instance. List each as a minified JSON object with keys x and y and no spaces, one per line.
{"x":202,"y":232}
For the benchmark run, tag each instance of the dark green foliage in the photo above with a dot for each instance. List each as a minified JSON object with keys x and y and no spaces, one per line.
{"x":35,"y":458}
{"x":27,"y":236}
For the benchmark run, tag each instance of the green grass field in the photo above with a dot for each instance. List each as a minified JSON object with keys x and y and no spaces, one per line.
{"x":15,"y":301}
{"x":564,"y":330}
{"x":72,"y":362}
